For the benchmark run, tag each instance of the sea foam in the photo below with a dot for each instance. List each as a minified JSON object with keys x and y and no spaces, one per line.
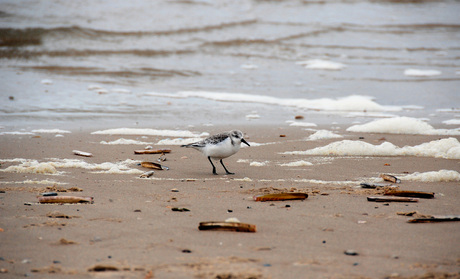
{"x":421,"y":73}
{"x":433,"y":176}
{"x":318,"y":64}
{"x":444,"y":148}
{"x":300,"y":163}
{"x":51,"y":167}
{"x":51,"y":131}
{"x":401,"y":125}
{"x":323,"y":134}
{"x":452,"y":122}
{"x":125,"y":141}
{"x":348,"y":103}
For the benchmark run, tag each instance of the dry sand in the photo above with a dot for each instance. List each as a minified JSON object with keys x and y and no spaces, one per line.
{"x":131,"y":227}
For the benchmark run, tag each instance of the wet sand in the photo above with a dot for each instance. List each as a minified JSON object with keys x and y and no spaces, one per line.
{"x":131,"y":227}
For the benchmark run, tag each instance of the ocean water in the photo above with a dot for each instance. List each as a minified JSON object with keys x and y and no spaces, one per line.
{"x":171,"y":64}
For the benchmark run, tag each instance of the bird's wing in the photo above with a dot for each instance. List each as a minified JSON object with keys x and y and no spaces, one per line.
{"x":216,"y":139}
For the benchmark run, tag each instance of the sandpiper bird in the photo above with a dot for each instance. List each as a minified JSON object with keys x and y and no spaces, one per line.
{"x":220,"y":146}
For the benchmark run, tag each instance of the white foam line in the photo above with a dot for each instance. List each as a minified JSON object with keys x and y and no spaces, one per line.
{"x":433,"y":176}
{"x":51,"y":131}
{"x":349,"y":103}
{"x":448,"y":148}
{"x":401,"y":125}
{"x":125,"y":142}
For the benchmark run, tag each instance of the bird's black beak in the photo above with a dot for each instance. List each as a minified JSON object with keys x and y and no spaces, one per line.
{"x":242,"y":140}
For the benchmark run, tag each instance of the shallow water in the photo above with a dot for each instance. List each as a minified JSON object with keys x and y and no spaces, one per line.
{"x":79,"y":64}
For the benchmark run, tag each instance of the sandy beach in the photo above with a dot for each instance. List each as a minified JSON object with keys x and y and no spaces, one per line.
{"x":131,"y":231}
{"x":329,"y":94}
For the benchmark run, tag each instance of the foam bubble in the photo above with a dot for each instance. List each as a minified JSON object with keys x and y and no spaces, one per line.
{"x":452,"y":122}
{"x":258,"y":164}
{"x":249,"y":66}
{"x":318,"y":64}
{"x":125,"y":141}
{"x":323,"y":134}
{"x":401,"y":125}
{"x":300,"y":163}
{"x":302,"y":124}
{"x":444,"y":148}
{"x":421,"y":73}
{"x":252,"y":116}
{"x":47,"y":81}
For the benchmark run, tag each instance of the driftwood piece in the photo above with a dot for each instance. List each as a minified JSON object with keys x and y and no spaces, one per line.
{"x":414,"y":194}
{"x":391,"y":199}
{"x":152,"y":151}
{"x":281,"y":197}
{"x":65,"y":199}
{"x":435,"y":219}
{"x":227,"y":226}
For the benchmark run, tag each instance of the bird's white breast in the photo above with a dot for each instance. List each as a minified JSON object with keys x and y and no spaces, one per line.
{"x":221,"y":150}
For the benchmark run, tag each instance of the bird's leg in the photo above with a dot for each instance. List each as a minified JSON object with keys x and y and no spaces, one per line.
{"x":213,"y":167}
{"x":225,"y":167}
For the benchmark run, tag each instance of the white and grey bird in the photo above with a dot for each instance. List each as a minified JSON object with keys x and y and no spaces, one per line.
{"x":220,"y":146}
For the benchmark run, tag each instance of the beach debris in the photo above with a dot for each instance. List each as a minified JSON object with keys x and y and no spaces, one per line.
{"x":49,"y":194}
{"x":64,"y":241}
{"x":82,"y":153}
{"x":414,"y":194}
{"x":281,"y":197}
{"x":58,"y":189}
{"x":411,"y":213}
{"x":282,"y":136}
{"x":299,"y":117}
{"x":180,"y":209}
{"x":65,"y":199}
{"x":372,"y":186}
{"x":152,"y":151}
{"x":351,"y":253}
{"x":227,"y":226}
{"x":57,"y":214}
{"x":147,"y":174}
{"x":391,"y":199}
{"x":435,"y":219}
{"x":390,"y":178}
{"x":152,"y":165}
{"x":175,"y":190}
{"x":48,"y":269}
{"x":103,"y":267}
{"x":186,"y":251}
{"x":162,"y":158}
